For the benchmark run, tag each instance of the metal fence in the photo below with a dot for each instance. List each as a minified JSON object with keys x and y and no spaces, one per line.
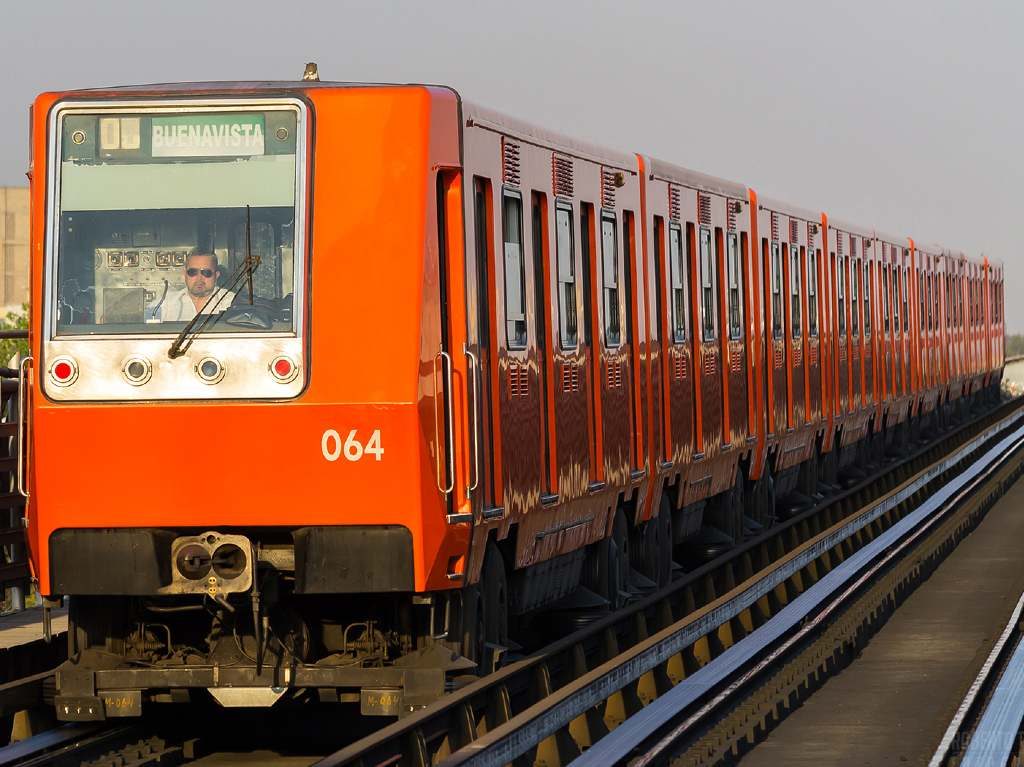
{"x":15,"y":579}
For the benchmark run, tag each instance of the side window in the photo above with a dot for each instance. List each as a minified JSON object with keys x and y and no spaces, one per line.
{"x":610,"y":269}
{"x":707,"y":284}
{"x":794,"y":279}
{"x":812,"y":293}
{"x":565,"y":252}
{"x":483,"y":257}
{"x":930,"y":302}
{"x":885,"y":297}
{"x":855,"y":298}
{"x":679,"y":264}
{"x":587,"y":251}
{"x":841,"y":289}
{"x":776,"y":277}
{"x":735,"y":269}
{"x":515,"y":277}
{"x":920,"y":295}
{"x":903,"y":299}
{"x":867,"y":298}
{"x":895,"y":299}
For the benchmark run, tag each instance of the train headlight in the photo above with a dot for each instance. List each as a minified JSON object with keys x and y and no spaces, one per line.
{"x":137,"y":370}
{"x":209,"y":370}
{"x":63,"y":371}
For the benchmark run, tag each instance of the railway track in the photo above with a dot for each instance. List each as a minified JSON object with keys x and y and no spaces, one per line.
{"x":559,"y":704}
{"x":562,"y":702}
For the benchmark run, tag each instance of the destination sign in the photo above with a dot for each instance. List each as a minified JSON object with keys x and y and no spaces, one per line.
{"x":209,"y":135}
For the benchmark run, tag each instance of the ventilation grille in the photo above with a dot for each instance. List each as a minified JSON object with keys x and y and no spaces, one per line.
{"x":679,"y":366}
{"x":673,"y":202}
{"x":812,"y":356}
{"x":607,"y":188}
{"x":518,"y":381}
{"x":570,"y":378}
{"x":509,"y":162}
{"x":730,"y":215}
{"x":798,"y":356}
{"x":710,"y":365}
{"x":775,"y":227}
{"x":613,"y":374}
{"x":840,"y":238}
{"x":778,"y":357}
{"x":794,"y":231}
{"x":703,"y":209}
{"x":735,"y":363}
{"x":853,"y":246}
{"x":561,"y":175}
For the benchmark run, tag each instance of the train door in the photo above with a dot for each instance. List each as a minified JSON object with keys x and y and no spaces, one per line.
{"x":708,"y":374}
{"x":814,"y":359}
{"x":570,"y":389}
{"x":679,"y":356}
{"x":615,"y":384}
{"x":843,"y":368}
{"x":793,"y":255}
{"x":885,"y":268}
{"x":852,"y":264}
{"x":868,"y":356}
{"x":736,"y":246}
{"x":774,"y":288}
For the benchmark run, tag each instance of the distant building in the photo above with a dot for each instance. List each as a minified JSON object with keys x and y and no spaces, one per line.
{"x":14,"y":236}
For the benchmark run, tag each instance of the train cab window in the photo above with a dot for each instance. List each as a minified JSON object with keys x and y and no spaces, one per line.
{"x":841,"y":293}
{"x":735,"y":277}
{"x":169,"y":210}
{"x":855,"y":299}
{"x":610,"y":270}
{"x":776,"y":277}
{"x":867,"y":298}
{"x":794,"y":279}
{"x":679,"y":265}
{"x":707,"y":284}
{"x":565,"y":254}
{"x":515,"y":272}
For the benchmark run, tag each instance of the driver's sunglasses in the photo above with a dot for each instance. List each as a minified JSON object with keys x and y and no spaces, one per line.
{"x":192,"y":272}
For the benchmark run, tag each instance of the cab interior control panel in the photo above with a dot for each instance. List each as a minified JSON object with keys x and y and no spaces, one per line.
{"x":132,"y":282}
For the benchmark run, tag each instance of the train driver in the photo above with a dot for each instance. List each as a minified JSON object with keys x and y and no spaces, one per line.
{"x":200,"y":294}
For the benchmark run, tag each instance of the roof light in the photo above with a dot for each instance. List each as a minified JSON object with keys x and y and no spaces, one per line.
{"x":64,"y":371}
{"x":283,"y":368}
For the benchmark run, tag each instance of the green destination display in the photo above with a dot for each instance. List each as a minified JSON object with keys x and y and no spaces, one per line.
{"x":208,"y":135}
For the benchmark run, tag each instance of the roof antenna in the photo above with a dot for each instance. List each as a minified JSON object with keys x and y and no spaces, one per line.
{"x":311,"y":73}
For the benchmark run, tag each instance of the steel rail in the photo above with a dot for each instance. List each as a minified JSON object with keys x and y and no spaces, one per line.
{"x":543,"y":720}
{"x":802,"y":617}
{"x":1004,"y":653}
{"x":453,"y":720}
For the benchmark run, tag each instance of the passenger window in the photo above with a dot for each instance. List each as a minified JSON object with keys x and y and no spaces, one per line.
{"x":855,"y":299}
{"x":565,"y":252}
{"x":895,"y":300}
{"x":794,"y":275}
{"x":921,"y":299}
{"x":679,"y":265}
{"x":867,"y":298}
{"x":885,"y":298}
{"x":841,"y":290}
{"x":515,"y":285}
{"x":610,"y":268}
{"x":707,"y":283}
{"x":776,"y":276}
{"x":812,"y":293}
{"x":903,"y":299}
{"x":734,"y":267}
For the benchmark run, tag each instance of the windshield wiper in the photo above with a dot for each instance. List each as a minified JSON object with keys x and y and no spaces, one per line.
{"x":208,"y":314}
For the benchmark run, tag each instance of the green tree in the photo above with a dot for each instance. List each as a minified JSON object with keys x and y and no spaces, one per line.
{"x":9,"y":346}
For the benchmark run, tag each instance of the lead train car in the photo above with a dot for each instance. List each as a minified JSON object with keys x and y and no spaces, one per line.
{"x":461,"y":368}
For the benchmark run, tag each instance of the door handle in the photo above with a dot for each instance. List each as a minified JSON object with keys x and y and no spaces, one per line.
{"x":474,"y":367}
{"x":449,"y":465}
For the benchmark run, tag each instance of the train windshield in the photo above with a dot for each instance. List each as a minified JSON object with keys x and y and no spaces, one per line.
{"x":166,"y":214}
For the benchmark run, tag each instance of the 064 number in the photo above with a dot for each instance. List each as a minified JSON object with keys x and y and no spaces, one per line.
{"x":334,"y":447}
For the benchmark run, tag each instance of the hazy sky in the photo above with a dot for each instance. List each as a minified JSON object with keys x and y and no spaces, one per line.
{"x":902,"y":115}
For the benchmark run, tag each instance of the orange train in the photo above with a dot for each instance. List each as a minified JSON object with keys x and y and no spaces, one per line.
{"x":331,"y":384}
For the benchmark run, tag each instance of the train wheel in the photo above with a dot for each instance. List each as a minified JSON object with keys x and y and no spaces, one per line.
{"x":607,"y":573}
{"x":485,"y":612}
